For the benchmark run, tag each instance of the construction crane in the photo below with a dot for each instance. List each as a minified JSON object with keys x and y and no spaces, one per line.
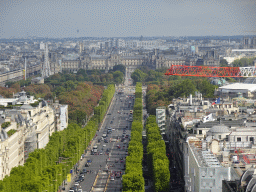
{"x":207,"y":71}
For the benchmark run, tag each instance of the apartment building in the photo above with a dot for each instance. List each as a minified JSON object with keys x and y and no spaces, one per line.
{"x":29,"y":128}
{"x":161,"y":117}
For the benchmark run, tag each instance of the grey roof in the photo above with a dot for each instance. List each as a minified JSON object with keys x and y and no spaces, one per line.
{"x":26,"y":107}
{"x":233,"y":123}
{"x":219,"y":129}
{"x":3,"y":135}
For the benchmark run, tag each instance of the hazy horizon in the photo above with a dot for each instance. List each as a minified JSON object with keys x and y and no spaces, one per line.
{"x":113,"y":18}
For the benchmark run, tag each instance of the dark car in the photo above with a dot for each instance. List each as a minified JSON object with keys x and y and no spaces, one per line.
{"x":84,"y":171}
{"x":89,"y":161}
{"x":122,"y":140}
{"x":111,"y":122}
{"x":118,"y":175}
{"x":86,"y":165}
{"x":108,"y":150}
{"x":99,"y":140}
{"x":106,"y":141}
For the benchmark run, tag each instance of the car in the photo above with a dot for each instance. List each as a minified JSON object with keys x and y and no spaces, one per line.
{"x":121,"y":158}
{"x":86,"y":165}
{"x":122,"y":140}
{"x":108,"y":150}
{"x":101,"y":152}
{"x":89,"y":160}
{"x":111,"y":122}
{"x":116,"y":161}
{"x":84,"y":171}
{"x":104,"y":145}
{"x":106,"y":141}
{"x":81,"y":179}
{"x":118,"y":175}
{"x":112,"y":178}
{"x":99,"y":140}
{"x":109,"y":113}
{"x":76,"y":183}
{"x":81,"y":175}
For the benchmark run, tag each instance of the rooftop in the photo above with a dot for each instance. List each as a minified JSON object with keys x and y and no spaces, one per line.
{"x":240,"y":86}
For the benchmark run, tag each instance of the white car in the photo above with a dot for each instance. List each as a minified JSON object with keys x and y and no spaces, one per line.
{"x":76,"y":184}
{"x":104,"y":145}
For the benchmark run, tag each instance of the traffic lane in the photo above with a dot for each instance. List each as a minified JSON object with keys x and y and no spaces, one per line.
{"x":97,"y":160}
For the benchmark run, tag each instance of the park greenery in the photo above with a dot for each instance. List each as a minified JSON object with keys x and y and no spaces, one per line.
{"x":5,"y":124}
{"x":133,"y":180}
{"x":163,"y":89}
{"x":244,"y":62}
{"x":162,"y":95}
{"x":81,"y":90}
{"x":11,"y":132}
{"x":47,"y":168}
{"x":157,"y":160}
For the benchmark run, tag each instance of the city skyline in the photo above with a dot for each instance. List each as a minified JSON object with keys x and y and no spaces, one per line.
{"x":112,"y":18}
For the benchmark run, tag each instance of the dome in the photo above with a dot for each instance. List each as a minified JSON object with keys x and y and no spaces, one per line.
{"x":219,"y":129}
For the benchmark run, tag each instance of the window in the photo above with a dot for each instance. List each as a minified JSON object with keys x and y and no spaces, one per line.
{"x":251,"y":139}
{"x":238,"y":138}
{"x":200,"y":132}
{"x":219,"y":136}
{"x":194,"y":131}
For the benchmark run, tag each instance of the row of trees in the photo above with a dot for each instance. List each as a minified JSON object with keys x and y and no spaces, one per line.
{"x":101,"y":109}
{"x":133,"y":179}
{"x":45,"y":169}
{"x":244,"y":62}
{"x":157,"y":159}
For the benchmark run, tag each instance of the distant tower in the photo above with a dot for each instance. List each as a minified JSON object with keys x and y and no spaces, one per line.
{"x":46,"y":72}
{"x":25,"y":73}
{"x":81,"y":47}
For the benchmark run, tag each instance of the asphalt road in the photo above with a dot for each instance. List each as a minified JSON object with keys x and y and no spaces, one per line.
{"x":117,"y":118}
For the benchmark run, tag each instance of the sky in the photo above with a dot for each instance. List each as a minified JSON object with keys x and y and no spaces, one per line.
{"x":123,"y":18}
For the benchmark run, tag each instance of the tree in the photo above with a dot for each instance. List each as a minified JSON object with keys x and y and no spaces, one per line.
{"x":185,"y":88}
{"x":223,"y":63}
{"x":138,"y":76}
{"x":118,"y":77}
{"x":120,"y":67}
{"x":69,"y":85}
